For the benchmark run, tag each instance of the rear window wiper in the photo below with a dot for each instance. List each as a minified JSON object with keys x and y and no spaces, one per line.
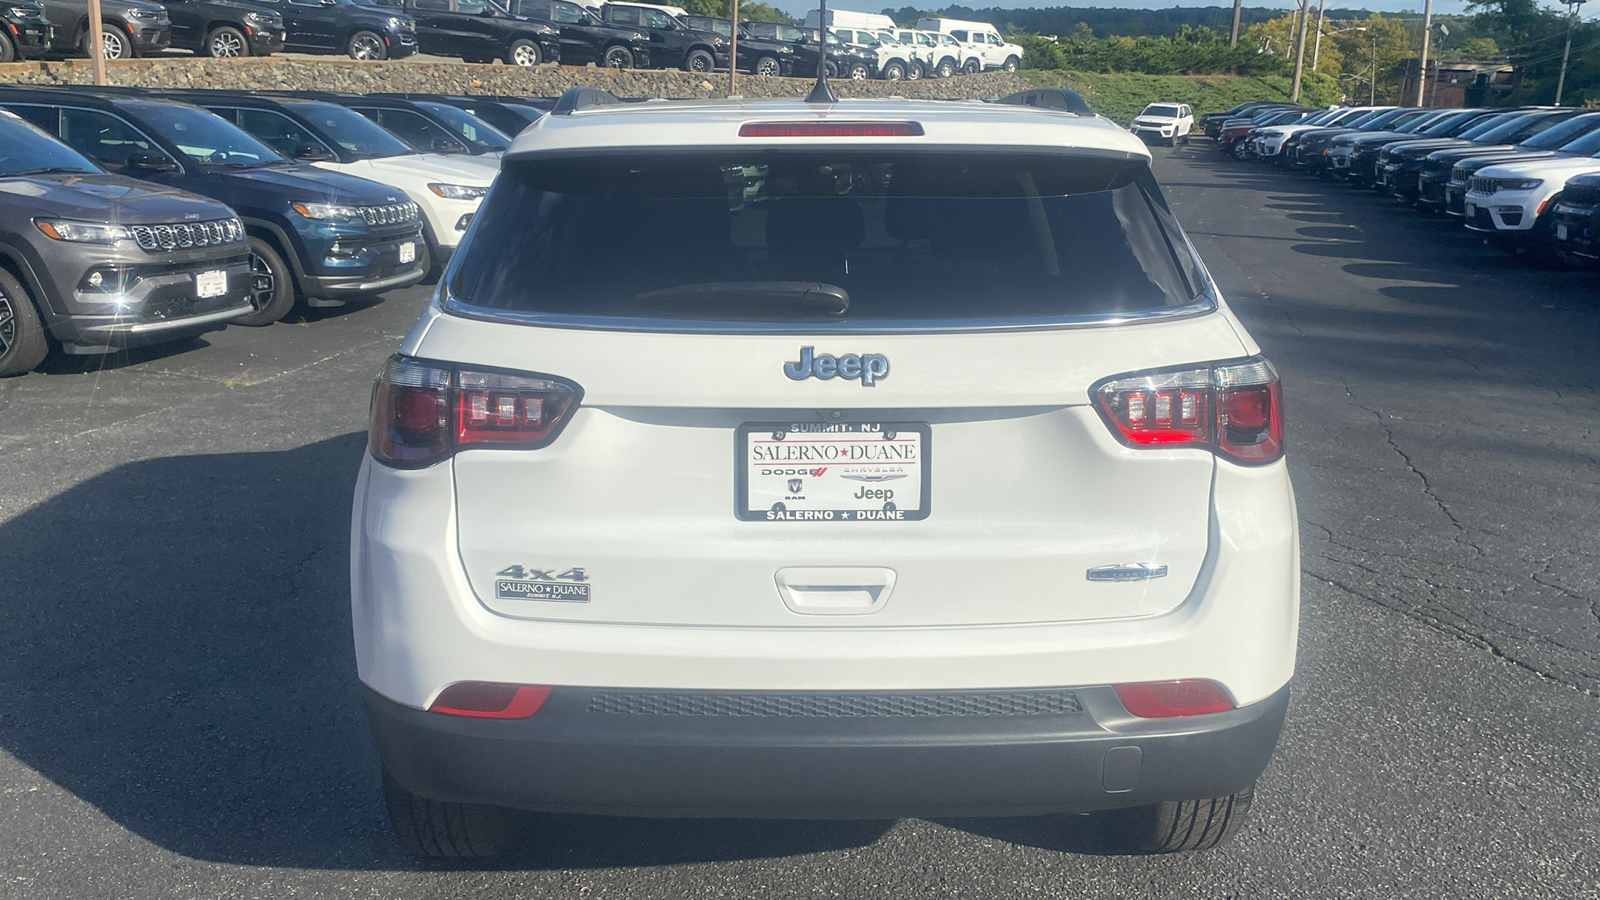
{"x":808,"y":296}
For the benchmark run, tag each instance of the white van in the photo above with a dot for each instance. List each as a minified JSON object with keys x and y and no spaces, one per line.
{"x":845,"y":18}
{"x":984,"y":49}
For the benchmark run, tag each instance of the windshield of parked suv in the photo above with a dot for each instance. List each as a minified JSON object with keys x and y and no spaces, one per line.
{"x":25,"y":150}
{"x":1588,"y":145}
{"x":1451,"y":125}
{"x":1038,"y":236}
{"x":354,"y":132}
{"x":469,"y":127}
{"x":207,"y":139}
{"x":1561,"y":135}
{"x":1156,"y":109}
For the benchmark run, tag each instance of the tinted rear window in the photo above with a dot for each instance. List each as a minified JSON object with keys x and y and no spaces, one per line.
{"x":911,"y":237}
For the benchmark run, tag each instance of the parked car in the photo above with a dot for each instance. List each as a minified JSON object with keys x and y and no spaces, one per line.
{"x":893,"y":60}
{"x":359,"y":30}
{"x":1211,"y":122}
{"x":94,"y":261}
{"x":673,"y":45}
{"x":812,"y":49}
{"x":508,"y":115}
{"x":1547,"y":145}
{"x":837,"y":663}
{"x":24,"y":31}
{"x":585,"y":38}
{"x":940,"y":52}
{"x":1271,"y":140}
{"x":226,"y":28}
{"x":447,"y":188}
{"x":429,"y":125}
{"x":1312,"y":149}
{"x":1577,"y":221}
{"x":758,"y":56}
{"x":1238,"y":135}
{"x":986,"y":50}
{"x":321,"y":235}
{"x":1355,"y":156}
{"x":481,"y":31}
{"x":1403,"y":165}
{"x":1510,"y":202}
{"x":1169,"y":122}
{"x":132,"y":27}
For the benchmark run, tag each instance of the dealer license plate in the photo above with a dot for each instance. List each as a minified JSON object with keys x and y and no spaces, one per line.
{"x":1561,"y":231}
{"x":408,"y":252}
{"x":1470,"y":208}
{"x":839,"y":472}
{"x":211,"y":284}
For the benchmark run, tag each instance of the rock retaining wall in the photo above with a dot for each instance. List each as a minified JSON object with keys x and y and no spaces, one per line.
{"x":469,"y":78}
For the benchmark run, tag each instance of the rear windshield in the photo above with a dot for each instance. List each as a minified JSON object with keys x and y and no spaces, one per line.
{"x":924,"y":237}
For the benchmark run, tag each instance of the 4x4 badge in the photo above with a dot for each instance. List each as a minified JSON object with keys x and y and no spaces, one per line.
{"x":522,"y":583}
{"x":869,"y":367}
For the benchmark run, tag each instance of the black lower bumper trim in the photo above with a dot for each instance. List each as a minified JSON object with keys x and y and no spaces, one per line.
{"x":574,"y":757}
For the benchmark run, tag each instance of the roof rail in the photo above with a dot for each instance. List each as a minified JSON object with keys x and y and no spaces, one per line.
{"x":1050,"y":98}
{"x":574,"y":99}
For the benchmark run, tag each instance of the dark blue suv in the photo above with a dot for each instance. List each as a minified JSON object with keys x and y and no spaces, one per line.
{"x":315,"y":234}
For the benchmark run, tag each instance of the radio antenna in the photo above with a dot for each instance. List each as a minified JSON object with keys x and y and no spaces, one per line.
{"x":821,"y":92}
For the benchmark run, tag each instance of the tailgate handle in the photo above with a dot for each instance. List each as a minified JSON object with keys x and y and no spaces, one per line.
{"x":1128,"y":572}
{"x":834,"y":591}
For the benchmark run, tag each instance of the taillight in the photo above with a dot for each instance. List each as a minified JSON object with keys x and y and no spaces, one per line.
{"x":424,"y":411}
{"x":1171,"y":699}
{"x":1234,"y":409}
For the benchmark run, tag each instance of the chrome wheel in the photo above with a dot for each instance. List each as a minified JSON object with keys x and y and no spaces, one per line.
{"x":113,"y":45}
{"x":858,"y":73}
{"x":8,"y":325}
{"x":226,"y":44}
{"x":263,"y":283}
{"x":366,"y":46}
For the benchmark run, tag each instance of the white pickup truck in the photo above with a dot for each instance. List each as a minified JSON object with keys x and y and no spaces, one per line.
{"x":983,"y":48}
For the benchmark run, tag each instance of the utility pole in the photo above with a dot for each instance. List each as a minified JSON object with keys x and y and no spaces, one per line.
{"x":733,"y":50}
{"x":1316,"y":47}
{"x":1233,"y":36}
{"x":1572,"y":21}
{"x":1427,"y":32}
{"x":96,"y":48}
{"x":1372,"y":82}
{"x":1300,"y":47}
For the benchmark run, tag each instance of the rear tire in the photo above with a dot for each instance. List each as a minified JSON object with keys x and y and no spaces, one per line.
{"x":366,"y":45}
{"x":1176,"y":826}
{"x":831,"y":69}
{"x":8,"y":53}
{"x":618,"y":57}
{"x":437,"y":831}
{"x":226,"y":42}
{"x":271,"y":286}
{"x":23,"y":343}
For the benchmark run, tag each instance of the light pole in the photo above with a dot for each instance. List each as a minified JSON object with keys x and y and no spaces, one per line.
{"x":1427,"y":32}
{"x":1233,"y":36}
{"x":1372,"y":83}
{"x":1317,"y":47}
{"x":1300,"y":48}
{"x":1572,"y":21}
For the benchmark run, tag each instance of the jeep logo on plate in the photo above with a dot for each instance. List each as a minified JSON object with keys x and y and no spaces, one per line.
{"x":868,"y":367}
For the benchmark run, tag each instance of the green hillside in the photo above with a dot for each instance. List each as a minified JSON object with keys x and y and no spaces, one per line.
{"x":1120,"y":96}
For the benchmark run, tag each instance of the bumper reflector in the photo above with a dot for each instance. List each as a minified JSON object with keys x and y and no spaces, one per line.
{"x":1170,"y":699}
{"x":490,"y":700}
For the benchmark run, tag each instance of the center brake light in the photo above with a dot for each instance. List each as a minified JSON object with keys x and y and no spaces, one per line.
{"x":830,"y":129}
{"x":1234,"y":409}
{"x":424,"y":411}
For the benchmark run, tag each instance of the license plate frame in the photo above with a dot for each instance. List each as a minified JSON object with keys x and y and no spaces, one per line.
{"x":408,"y":252}
{"x":841,"y":471}
{"x":210,"y":283}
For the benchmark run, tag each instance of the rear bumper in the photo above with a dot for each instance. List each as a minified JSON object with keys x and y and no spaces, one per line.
{"x":575,"y":757}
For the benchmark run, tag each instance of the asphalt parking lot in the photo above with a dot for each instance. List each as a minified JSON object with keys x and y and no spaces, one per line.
{"x":180,"y":716}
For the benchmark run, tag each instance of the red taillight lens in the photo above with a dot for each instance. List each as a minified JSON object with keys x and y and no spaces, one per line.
{"x":830,"y":129}
{"x":424,"y":411}
{"x":1170,"y":699}
{"x":1235,"y":409}
{"x":490,"y":700}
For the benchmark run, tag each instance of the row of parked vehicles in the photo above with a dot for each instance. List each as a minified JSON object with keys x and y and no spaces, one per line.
{"x":1527,"y":179}
{"x":133,"y":216}
{"x":518,"y":32}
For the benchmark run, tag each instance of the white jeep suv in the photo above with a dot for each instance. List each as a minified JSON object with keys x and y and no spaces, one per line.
{"x":811,"y":505}
{"x":1169,"y":122}
{"x":1513,"y":202}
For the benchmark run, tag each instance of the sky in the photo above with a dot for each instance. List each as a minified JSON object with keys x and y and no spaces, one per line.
{"x":798,"y":8}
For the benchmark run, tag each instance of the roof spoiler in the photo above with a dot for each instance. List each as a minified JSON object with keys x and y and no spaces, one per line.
{"x":574,"y":99}
{"x":1050,"y":98}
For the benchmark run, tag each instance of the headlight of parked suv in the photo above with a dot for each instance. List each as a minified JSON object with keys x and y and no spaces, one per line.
{"x":22,"y":12}
{"x":328,"y":212}
{"x":396,"y":22}
{"x":83,"y":232}
{"x":261,"y":21}
{"x":137,"y":13}
{"x":1520,"y":184}
{"x":458,"y":191}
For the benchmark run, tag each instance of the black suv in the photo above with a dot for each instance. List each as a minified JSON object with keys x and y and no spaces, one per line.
{"x":313,"y":233}
{"x":808,"y":50}
{"x":757,"y":55}
{"x":24,"y":31}
{"x":225,"y":28}
{"x":585,"y":39}
{"x":508,"y":115}
{"x":673,"y":45}
{"x":96,"y":261}
{"x":432,"y":126}
{"x":358,"y":30}
{"x":132,"y":27}
{"x":481,"y":31}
